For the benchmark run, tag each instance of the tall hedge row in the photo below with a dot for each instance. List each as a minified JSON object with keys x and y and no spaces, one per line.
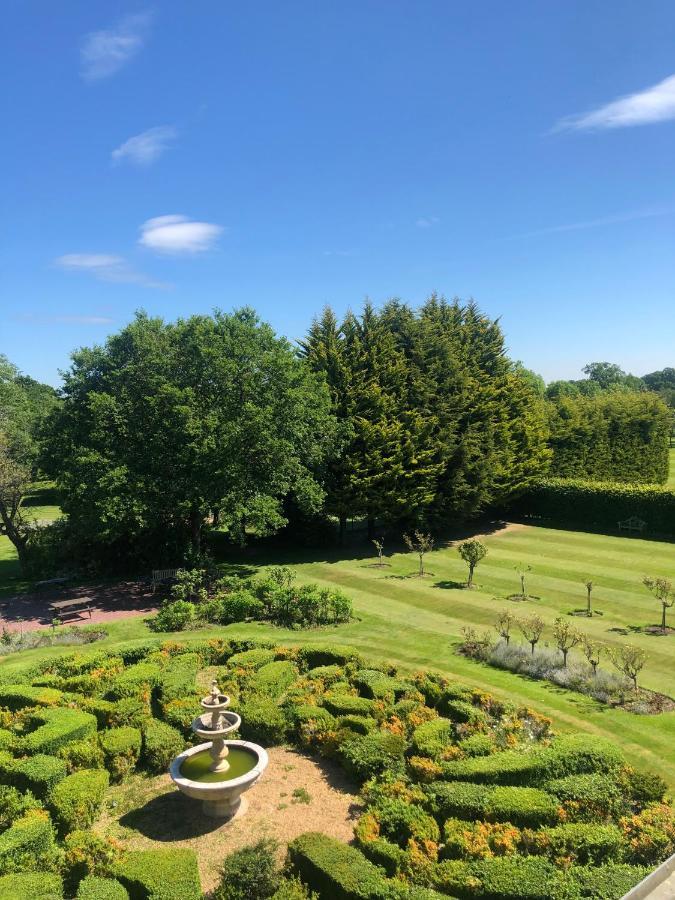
{"x":599,"y":504}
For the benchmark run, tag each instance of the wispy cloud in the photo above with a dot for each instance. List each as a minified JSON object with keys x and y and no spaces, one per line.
{"x":178,"y":234}
{"x":104,"y":53}
{"x":144,"y":148}
{"x":427,"y":221}
{"x":595,"y":223}
{"x":655,"y":104}
{"x":107,"y":267}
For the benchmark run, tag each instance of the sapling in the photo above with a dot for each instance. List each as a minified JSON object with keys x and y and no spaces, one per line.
{"x":472,"y":551}
{"x":532,"y":629}
{"x":565,"y":636}
{"x":662,"y":589}
{"x":503,"y":625}
{"x":420,"y":544}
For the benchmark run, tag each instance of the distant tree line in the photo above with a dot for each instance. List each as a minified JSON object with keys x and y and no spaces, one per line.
{"x":406,"y":418}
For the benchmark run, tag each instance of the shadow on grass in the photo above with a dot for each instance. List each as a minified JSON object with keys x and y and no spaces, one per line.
{"x":413,"y":576}
{"x":450,"y":585}
{"x":170,"y":817}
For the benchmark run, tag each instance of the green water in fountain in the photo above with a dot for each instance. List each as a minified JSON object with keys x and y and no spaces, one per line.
{"x":196,"y":767}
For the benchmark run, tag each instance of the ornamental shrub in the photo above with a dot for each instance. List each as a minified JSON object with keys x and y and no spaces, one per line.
{"x":175,"y":615}
{"x":28,"y":845}
{"x":238,"y":606}
{"x":262,"y":721}
{"x":138,"y":679}
{"x":399,"y":821}
{"x":121,"y":748}
{"x":580,"y":843}
{"x":251,"y":659}
{"x":160,"y":874}
{"x":87,"y":853}
{"x":478,"y":745}
{"x":328,"y":656}
{"x":522,"y":806}
{"x":274,"y":678}
{"x":37,"y":774}
{"x":31,"y":886}
{"x":131,"y":711}
{"x":85,"y":754}
{"x":587,"y":798}
{"x":76,"y":800}
{"x":102,"y":710}
{"x":341,"y":704}
{"x":644,"y":788}
{"x":334,"y":869}
{"x":56,"y":727}
{"x":94,"y":888}
{"x":161,"y":743}
{"x":14,"y":804}
{"x":372,"y":754}
{"x":357,"y":724}
{"x":433,"y":737}
{"x":649,"y":835}
{"x":479,"y":840}
{"x":606,"y":882}
{"x":328,"y":674}
{"x":516,"y":878}
{"x":250,"y":873}
{"x":19,"y":696}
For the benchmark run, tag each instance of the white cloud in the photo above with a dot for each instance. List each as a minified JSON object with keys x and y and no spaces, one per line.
{"x":427,"y":221}
{"x":655,"y":104}
{"x":144,"y":148}
{"x":178,"y":234}
{"x":106,"y":267}
{"x":104,"y":53}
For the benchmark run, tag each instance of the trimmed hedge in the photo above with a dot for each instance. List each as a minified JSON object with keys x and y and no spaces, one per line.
{"x":516,"y":878}
{"x":433,"y":737}
{"x":334,"y":869}
{"x":28,"y":845}
{"x":19,"y":696}
{"x":251,"y":659}
{"x":587,"y":798}
{"x":179,"y":676}
{"x":274,"y":678}
{"x":523,"y":806}
{"x":94,"y":888}
{"x":31,"y":886}
{"x":582,"y":843}
{"x":328,"y":656}
{"x":38,"y":774}
{"x":601,"y":504}
{"x":140,"y":678}
{"x":160,"y":874}
{"x":102,"y":710}
{"x":262,"y":721}
{"x":347,"y":705}
{"x":76,"y":801}
{"x":121,"y":748}
{"x":608,"y":882}
{"x":372,"y":754}
{"x":161,"y":743}
{"x":56,"y":728}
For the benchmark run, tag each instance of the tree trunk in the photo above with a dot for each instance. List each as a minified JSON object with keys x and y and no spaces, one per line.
{"x":470,"y":581}
{"x":216,"y":518}
{"x":533,"y":644}
{"x":564,"y":653}
{"x":507,"y":638}
{"x":589,"y":611}
{"x":663,"y":618}
{"x":196,"y":530}
{"x":343,"y":529}
{"x":19,"y":540}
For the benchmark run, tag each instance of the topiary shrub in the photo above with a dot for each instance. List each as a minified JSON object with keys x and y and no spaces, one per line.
{"x":525,"y":807}
{"x":433,"y":737}
{"x":131,"y":711}
{"x":85,"y":754}
{"x":400,"y":821}
{"x":28,"y":845}
{"x":31,"y":886}
{"x":579,"y":843}
{"x":55,"y":728}
{"x":334,"y":869}
{"x":94,"y":888}
{"x":516,"y":878}
{"x":173,"y":616}
{"x":137,"y":680}
{"x":262,"y":721}
{"x":250,"y":873}
{"x":345,"y":704}
{"x":274,"y":678}
{"x":76,"y":800}
{"x":462,"y":712}
{"x":14,"y":804}
{"x":121,"y":748}
{"x":161,"y":743}
{"x":478,"y":745}
{"x":178,"y":677}
{"x":372,"y":754}
{"x":87,"y":853}
{"x":37,"y":774}
{"x":160,"y":874}
{"x":587,"y":798}
{"x":506,"y":767}
{"x":327,"y":674}
{"x":608,"y":882}
{"x":101,"y":709}
{"x":357,"y":724}
{"x":251,"y":659}
{"x":19,"y":696}
{"x":328,"y":656}
{"x":7,"y":739}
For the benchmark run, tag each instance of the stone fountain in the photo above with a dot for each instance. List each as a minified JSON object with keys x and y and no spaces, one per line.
{"x":219,"y":771}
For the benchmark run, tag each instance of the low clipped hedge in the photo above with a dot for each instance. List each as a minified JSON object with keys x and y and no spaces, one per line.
{"x":77,"y":799}
{"x":369,"y":755}
{"x":19,"y":696}
{"x":523,"y":806}
{"x":274,"y":678}
{"x":140,"y":678}
{"x":160,"y":744}
{"x":580,"y":842}
{"x":160,"y":874}
{"x":251,"y":659}
{"x":95,"y":888}
{"x":588,"y":798}
{"x":28,"y":845}
{"x":263,"y":721}
{"x":178,"y":677}
{"x":340,"y":704}
{"x":121,"y":748}
{"x":31,"y":886}
{"x":608,"y":882}
{"x":433,"y":737}
{"x":56,"y":728}
{"x":600,"y":504}
{"x":313,"y":657}
{"x":38,"y":774}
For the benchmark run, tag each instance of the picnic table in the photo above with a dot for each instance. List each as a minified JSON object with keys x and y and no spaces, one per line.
{"x":632,"y":524}
{"x":76,"y":606}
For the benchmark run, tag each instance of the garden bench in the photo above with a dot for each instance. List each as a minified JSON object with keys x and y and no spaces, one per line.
{"x":162,"y":576}
{"x":632,"y":524}
{"x":76,"y":606}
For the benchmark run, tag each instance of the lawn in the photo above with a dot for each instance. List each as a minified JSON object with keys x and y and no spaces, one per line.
{"x":417,"y":622}
{"x":40,"y":505}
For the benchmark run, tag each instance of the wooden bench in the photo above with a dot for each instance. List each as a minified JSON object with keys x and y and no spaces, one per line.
{"x":77,"y":606}
{"x":162,"y":576}
{"x":632,"y":524}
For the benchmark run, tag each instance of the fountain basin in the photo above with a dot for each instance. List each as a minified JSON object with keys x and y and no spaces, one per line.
{"x":220,"y":792}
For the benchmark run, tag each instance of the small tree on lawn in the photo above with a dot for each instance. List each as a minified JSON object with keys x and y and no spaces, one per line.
{"x":503,"y":625}
{"x":420,"y":544}
{"x":589,"y":591}
{"x":472,"y":551}
{"x":522,"y":571}
{"x":593,"y":651}
{"x":662,"y":589}
{"x":379,"y":546}
{"x":532,"y":629}
{"x":629,"y":661}
{"x":565,"y":636}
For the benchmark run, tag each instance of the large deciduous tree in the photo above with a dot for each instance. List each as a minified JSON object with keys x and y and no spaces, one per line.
{"x":169,"y":423}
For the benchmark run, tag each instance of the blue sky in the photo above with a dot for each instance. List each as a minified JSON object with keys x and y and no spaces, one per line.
{"x":177,"y":157}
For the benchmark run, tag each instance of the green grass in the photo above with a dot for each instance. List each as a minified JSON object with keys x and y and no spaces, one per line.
{"x":41,"y":505}
{"x":417,"y":622}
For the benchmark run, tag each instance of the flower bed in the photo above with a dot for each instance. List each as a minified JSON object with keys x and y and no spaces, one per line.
{"x":464,"y":795}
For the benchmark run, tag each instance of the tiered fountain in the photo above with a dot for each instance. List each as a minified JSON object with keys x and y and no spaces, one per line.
{"x":219,"y":771}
